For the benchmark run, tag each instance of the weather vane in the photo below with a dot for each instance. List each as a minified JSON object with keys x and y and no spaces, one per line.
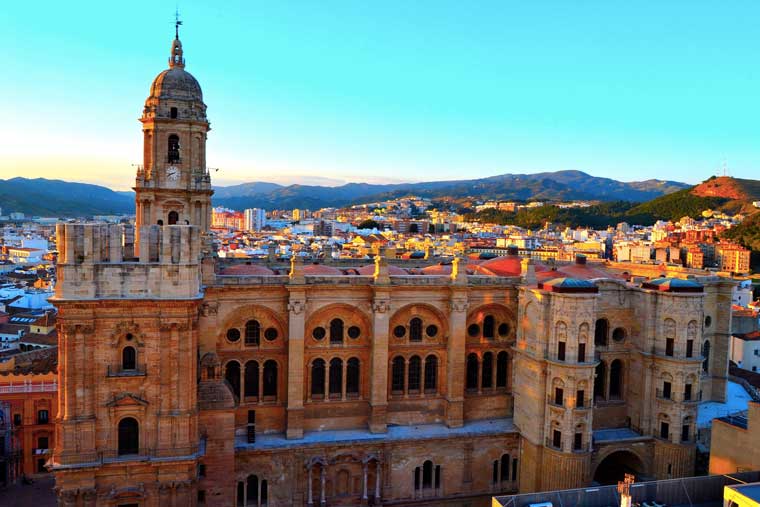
{"x":177,"y":22}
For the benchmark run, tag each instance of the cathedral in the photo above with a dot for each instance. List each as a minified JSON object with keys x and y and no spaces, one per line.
{"x":192,"y":380}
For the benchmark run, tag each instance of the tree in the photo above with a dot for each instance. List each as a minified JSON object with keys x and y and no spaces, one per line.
{"x":369,"y":224}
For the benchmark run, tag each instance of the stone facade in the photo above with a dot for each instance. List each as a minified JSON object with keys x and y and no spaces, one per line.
{"x":182,"y":385}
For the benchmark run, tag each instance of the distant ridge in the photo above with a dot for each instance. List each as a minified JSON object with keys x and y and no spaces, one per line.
{"x":552,"y":186}
{"x":57,"y":198}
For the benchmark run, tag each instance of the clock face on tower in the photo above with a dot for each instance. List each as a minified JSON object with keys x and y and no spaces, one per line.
{"x":172,"y":173}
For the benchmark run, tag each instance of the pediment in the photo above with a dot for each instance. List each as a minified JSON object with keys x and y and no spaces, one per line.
{"x":126,"y":400}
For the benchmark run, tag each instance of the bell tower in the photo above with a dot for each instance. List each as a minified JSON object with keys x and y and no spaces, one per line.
{"x":173,"y":185}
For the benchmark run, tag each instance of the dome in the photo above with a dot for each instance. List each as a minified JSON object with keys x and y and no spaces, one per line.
{"x":666,"y":284}
{"x":176,"y":83}
{"x":568,"y":285}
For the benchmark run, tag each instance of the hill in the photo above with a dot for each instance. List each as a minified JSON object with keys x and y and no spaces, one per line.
{"x":57,"y":198}
{"x":554,"y":186}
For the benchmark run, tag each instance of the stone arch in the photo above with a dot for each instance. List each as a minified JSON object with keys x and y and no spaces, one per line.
{"x":351,"y":317}
{"x":615,"y":463}
{"x":501,"y":316}
{"x":266,"y":317}
{"x":669,"y":328}
{"x":429,"y":314}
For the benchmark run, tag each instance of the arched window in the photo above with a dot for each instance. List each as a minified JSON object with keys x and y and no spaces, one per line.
{"x":488,"y":327}
{"x":431,"y":373}
{"x":415,"y":330}
{"x":270,"y":378}
{"x":336,"y":331}
{"x":427,"y":474}
{"x":252,"y":332}
{"x":264,"y":492}
{"x":232,"y":375}
{"x":253,"y":490}
{"x":616,"y":379}
{"x":173,"y":218}
{"x":472,"y":372}
{"x":415,"y":367}
{"x":352,"y":376}
{"x":397,"y":374}
{"x":128,"y":358}
{"x":251,"y":381}
{"x":336,"y":376}
{"x":173,"y":149}
{"x":502,"y":366}
{"x":599,"y":381}
{"x":601,"y":331}
{"x":487,"y":373}
{"x":318,"y":377}
{"x":505,"y":467}
{"x":129,"y":436}
{"x":706,"y":355}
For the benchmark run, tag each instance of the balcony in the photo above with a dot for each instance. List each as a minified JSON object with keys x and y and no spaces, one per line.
{"x":118,"y":371}
{"x":114,"y":456}
{"x":29,"y":387}
{"x":666,"y":396}
{"x":40,"y":452}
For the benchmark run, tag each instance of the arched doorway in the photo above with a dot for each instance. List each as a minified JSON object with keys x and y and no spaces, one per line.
{"x":614,"y":467}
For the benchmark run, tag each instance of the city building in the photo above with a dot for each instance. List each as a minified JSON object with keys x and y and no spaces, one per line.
{"x":188,"y":381}
{"x":734,"y":442}
{"x":255,"y":219}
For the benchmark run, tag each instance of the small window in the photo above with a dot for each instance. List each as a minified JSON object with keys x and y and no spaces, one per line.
{"x":578,"y":442}
{"x":252,"y":332}
{"x":173,"y":113}
{"x":352,"y":376}
{"x":689,"y":348}
{"x":42,"y":443}
{"x":487,"y":371}
{"x":561,"y":351}
{"x":708,"y":321}
{"x":128,"y":358}
{"x":488,"y":327}
{"x":397,"y":374}
{"x":431,"y":373}
{"x":559,"y":395}
{"x":318,"y":377}
{"x":270,"y":334}
{"x":399,"y":331}
{"x":557,"y":439}
{"x":664,"y":430}
{"x":415,"y":373}
{"x":336,"y":331}
{"x":580,"y":398}
{"x":318,"y":333}
{"x":666,"y":386}
{"x":473,"y":330}
{"x":42,"y":417}
{"x":233,"y":334}
{"x":581,"y":352}
{"x":415,"y":330}
{"x":431,"y":330}
{"x":354,"y":332}
{"x":17,"y":419}
{"x":503,"y":329}
{"x":685,"y":433}
{"x":669,"y":345}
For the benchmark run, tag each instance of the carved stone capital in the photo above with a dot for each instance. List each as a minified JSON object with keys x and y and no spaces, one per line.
{"x":458,"y":305}
{"x":296,"y":307}
{"x":381,"y":306}
{"x":208,"y":309}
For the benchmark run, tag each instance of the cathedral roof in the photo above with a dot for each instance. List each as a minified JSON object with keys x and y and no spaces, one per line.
{"x":568,"y":285}
{"x":667,"y":284}
{"x":247,"y":270}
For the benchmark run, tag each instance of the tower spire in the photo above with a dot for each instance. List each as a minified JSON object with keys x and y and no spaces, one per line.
{"x":176,"y":59}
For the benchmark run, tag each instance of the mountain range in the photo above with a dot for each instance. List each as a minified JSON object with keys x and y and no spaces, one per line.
{"x":43,"y":197}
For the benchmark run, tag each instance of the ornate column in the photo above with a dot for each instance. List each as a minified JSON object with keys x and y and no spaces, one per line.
{"x":379,"y":360}
{"x":364,"y":481}
{"x":296,"y":376}
{"x":378,"y":478}
{"x":322,"y":479}
{"x":455,"y":351}
{"x":309,"y":497}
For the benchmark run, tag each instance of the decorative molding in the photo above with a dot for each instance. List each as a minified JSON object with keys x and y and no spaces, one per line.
{"x":381,"y":306}
{"x":296,"y":307}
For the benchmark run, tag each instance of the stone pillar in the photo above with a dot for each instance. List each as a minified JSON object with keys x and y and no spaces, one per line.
{"x":295,"y":378}
{"x":379,"y":361}
{"x":364,"y":482}
{"x":322,"y":479}
{"x":309,"y":496}
{"x":455,"y":371}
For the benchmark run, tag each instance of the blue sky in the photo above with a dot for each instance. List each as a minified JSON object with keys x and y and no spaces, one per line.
{"x":339,"y":91}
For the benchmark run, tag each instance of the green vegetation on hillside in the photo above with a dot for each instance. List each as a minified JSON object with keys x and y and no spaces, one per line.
{"x":675,"y":206}
{"x":598,"y":216}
